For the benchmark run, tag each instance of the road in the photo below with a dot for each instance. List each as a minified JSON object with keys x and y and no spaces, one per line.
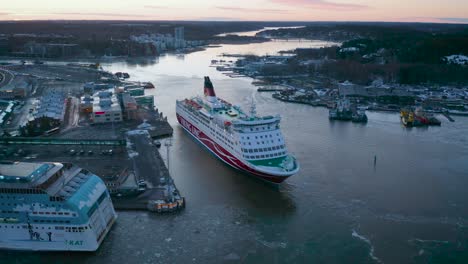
{"x":148,"y":164}
{"x":71,"y":116}
{"x":5,"y":77}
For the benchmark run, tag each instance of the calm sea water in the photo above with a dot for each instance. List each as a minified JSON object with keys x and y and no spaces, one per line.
{"x":412,"y":207}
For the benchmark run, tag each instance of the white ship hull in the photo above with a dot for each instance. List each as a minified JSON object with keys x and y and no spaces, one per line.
{"x":221,"y":152}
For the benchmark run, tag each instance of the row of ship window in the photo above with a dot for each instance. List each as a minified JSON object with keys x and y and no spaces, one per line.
{"x":262,"y":128}
{"x":201,"y":118}
{"x":264,"y":149}
{"x":53,"y":213}
{"x":260,"y":142}
{"x":274,"y":155}
{"x":257,"y":137}
{"x":41,"y":213}
{"x":25,"y":227}
{"x":52,"y":221}
{"x":224,"y":139}
{"x":56,"y":199}
{"x":22,"y":191}
{"x":10,"y":212}
{"x":67,"y":228}
{"x":108,"y":115}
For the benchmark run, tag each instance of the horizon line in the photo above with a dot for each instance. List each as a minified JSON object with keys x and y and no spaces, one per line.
{"x":240,"y":21}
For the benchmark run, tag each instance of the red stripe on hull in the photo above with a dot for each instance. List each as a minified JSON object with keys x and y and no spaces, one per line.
{"x":224,"y":155}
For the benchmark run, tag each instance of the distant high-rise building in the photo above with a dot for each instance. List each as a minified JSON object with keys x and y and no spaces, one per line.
{"x":179,"y":33}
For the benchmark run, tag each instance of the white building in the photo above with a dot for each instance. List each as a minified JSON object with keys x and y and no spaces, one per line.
{"x":179,"y":33}
{"x":106,"y":108}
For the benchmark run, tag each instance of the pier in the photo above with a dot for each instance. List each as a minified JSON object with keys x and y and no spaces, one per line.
{"x":160,"y":194}
{"x":132,"y":168}
{"x":446,"y":114}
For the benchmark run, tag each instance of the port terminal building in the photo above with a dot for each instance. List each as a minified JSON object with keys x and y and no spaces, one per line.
{"x":106,"y":108}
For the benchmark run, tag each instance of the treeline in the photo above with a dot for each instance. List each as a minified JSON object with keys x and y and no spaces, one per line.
{"x":403,"y":73}
{"x":107,"y":37}
{"x":407,"y":54}
{"x":344,"y":31}
{"x":412,"y":48}
{"x":123,"y":29}
{"x":236,"y":39}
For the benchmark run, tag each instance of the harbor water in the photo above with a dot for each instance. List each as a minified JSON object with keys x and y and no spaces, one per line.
{"x":366,"y":193}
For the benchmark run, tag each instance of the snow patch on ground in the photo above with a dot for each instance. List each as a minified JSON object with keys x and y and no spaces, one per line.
{"x":457,"y":59}
{"x":429,"y":241}
{"x":273,"y":245}
{"x":350,"y":49}
{"x":132,"y":154}
{"x":137,"y":132}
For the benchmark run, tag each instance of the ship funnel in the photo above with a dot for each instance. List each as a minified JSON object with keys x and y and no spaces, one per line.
{"x":209,"y":90}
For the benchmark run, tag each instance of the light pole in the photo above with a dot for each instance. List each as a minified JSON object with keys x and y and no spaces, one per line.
{"x":168,"y":144}
{"x":168,"y":180}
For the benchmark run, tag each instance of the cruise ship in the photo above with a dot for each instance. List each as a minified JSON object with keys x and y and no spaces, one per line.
{"x":52,"y":207}
{"x":246,"y":142}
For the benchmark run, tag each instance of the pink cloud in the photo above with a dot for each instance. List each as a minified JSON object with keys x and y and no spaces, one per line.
{"x":250,"y":10}
{"x":322,"y":4}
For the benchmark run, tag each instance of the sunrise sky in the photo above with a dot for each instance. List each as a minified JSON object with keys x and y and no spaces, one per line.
{"x":453,"y":11}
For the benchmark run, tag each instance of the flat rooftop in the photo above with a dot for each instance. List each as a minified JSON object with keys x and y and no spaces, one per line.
{"x":20,"y":169}
{"x":26,"y":172}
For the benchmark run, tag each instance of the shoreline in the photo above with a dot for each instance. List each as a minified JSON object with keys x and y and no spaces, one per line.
{"x":102,"y":58}
{"x":373,"y":109}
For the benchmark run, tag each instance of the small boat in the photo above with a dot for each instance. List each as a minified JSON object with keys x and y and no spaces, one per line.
{"x":148,"y":85}
{"x":359,"y":117}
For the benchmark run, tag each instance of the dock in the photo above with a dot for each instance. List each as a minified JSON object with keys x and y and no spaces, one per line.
{"x":132,"y":168}
{"x":270,"y":89}
{"x":446,"y":114}
{"x":160,"y":194}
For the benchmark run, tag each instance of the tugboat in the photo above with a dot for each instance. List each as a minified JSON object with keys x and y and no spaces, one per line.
{"x":341,"y":111}
{"x":413,"y":118}
{"x":359,"y":116}
{"x":345,"y":111}
{"x":148,"y":85}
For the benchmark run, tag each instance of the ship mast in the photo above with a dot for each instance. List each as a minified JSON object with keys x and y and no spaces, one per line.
{"x":253,"y":109}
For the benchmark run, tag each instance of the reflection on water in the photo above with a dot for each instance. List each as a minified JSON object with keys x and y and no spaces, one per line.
{"x":254,"y":32}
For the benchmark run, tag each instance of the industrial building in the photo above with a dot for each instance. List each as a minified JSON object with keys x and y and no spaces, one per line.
{"x":130,"y":106}
{"x":106,"y":108}
{"x":48,"y":113}
{"x":16,"y":87}
{"x":51,"y":105}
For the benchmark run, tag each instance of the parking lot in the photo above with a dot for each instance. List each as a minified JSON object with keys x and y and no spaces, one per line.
{"x":105,"y":161}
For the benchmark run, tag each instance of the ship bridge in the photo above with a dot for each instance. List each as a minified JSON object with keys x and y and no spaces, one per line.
{"x":256,"y":124}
